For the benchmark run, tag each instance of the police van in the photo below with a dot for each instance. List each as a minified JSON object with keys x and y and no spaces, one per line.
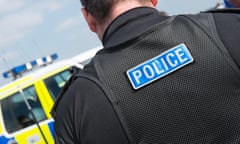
{"x":25,"y":103}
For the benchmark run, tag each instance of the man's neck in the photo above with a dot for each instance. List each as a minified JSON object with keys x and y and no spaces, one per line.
{"x":118,"y":9}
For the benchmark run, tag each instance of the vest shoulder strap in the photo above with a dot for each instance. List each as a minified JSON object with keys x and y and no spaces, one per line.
{"x":226,"y":10}
{"x":75,"y":72}
{"x":206,"y":22}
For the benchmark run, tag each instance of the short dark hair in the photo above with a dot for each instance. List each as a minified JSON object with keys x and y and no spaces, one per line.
{"x":99,"y":8}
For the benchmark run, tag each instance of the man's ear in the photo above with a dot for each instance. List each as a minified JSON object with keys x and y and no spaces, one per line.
{"x":91,"y":21}
{"x":154,"y":2}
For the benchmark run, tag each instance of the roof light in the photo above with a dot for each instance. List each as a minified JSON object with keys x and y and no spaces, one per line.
{"x":19,"y":70}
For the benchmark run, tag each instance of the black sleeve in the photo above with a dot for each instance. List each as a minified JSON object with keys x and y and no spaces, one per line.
{"x":85,"y":116}
{"x":228,"y":27}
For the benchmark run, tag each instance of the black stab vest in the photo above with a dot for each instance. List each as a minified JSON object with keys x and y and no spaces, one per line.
{"x":199,"y":103}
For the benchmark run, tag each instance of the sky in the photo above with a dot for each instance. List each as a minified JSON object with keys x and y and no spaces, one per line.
{"x":31,"y":29}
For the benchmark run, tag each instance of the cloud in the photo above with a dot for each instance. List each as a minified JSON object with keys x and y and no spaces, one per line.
{"x":14,"y":26}
{"x":68,"y":23}
{"x":48,"y":6}
{"x":18,"y":19}
{"x":10,"y":5}
{"x":53,"y":6}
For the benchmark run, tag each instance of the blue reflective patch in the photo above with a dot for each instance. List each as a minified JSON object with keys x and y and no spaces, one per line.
{"x":159,"y":66}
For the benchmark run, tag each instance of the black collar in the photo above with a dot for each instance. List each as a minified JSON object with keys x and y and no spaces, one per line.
{"x":130,"y":24}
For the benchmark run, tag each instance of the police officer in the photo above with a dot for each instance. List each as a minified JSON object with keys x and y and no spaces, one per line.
{"x":229,"y":4}
{"x":232,"y":3}
{"x":158,"y":79}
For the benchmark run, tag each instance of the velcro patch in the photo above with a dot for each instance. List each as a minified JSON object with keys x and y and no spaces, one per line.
{"x":159,"y":66}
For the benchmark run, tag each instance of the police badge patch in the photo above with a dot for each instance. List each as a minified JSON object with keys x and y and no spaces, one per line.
{"x":159,"y":66}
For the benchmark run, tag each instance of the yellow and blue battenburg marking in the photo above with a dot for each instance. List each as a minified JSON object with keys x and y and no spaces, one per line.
{"x":26,"y":102}
{"x":13,"y":139}
{"x":159,"y":66}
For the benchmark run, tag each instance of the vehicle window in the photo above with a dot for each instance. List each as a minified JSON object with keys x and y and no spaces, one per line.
{"x":16,"y":114}
{"x":55,"y":83}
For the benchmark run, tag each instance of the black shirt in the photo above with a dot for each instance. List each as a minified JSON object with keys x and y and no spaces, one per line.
{"x":84,"y":114}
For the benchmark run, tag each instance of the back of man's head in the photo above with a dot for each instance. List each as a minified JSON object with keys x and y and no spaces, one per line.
{"x":101,"y":9}
{"x":100,"y":13}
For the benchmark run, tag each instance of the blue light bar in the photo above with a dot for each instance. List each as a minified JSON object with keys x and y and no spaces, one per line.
{"x":19,"y":70}
{"x":34,"y":63}
{"x":54,"y":56}
{"x":6,"y":74}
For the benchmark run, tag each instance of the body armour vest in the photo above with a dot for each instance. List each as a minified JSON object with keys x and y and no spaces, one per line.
{"x":198,"y":102}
